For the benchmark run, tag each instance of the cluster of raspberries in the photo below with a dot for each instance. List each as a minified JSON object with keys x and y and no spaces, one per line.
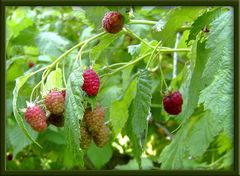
{"x":92,"y":127}
{"x":36,"y":115}
{"x":55,"y":104}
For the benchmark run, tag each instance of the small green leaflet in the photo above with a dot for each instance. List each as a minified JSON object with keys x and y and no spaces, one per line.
{"x":173,"y":23}
{"x":191,"y":88}
{"x":51,"y":44}
{"x":219,"y":71}
{"x":201,"y":22}
{"x":119,"y":108}
{"x":139,"y":111}
{"x":54,"y":80}
{"x":73,"y":114}
{"x":19,"y":83}
{"x":99,"y":156}
{"x":142,"y":103}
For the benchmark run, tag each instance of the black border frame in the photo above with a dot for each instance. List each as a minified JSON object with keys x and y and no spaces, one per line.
{"x":233,"y":3}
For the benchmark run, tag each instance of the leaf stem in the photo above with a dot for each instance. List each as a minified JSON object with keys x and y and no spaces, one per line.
{"x":79,"y":55}
{"x":127,"y":65}
{"x":161,"y":71}
{"x":148,"y":22}
{"x":151,"y":57}
{"x":59,"y":59}
{"x":162,"y":49}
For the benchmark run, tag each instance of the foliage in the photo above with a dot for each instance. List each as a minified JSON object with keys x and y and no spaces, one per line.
{"x":136,"y":68}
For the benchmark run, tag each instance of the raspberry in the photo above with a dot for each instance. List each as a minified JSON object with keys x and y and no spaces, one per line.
{"x":54,"y":102}
{"x":94,"y":119}
{"x":56,"y":120}
{"x":113,"y":22}
{"x":102,"y":137}
{"x":30,"y":64}
{"x":36,"y":117}
{"x":86,"y":138}
{"x":9,"y":156}
{"x":173,"y":103}
{"x":91,"y":82}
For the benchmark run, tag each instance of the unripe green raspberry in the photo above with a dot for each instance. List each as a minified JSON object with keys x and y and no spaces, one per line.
{"x":54,"y":102}
{"x":86,"y":138}
{"x":94,"y":119}
{"x":102,"y":137}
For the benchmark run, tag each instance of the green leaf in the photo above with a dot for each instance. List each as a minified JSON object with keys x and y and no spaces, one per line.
{"x":95,"y":15}
{"x":224,"y":143}
{"x":218,"y":95}
{"x":119,"y":109}
{"x":140,"y":109}
{"x":73,"y":114}
{"x":26,"y":37}
{"x":50,"y":43}
{"x":133,"y":165}
{"x":134,"y":49}
{"x":191,"y":87}
{"x":174,"y":23}
{"x":201,"y":22}
{"x":54,"y":81}
{"x":99,"y":156}
{"x":220,"y":42}
{"x":17,"y":23}
{"x":19,"y":83}
{"x":142,"y":102}
{"x":103,"y":44}
{"x":191,"y":140}
{"x":16,"y":133}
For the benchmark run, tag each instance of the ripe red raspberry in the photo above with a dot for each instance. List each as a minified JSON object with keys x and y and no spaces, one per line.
{"x":173,"y":103}
{"x":91,"y":82}
{"x":94,"y":119}
{"x":36,"y":117}
{"x":113,"y":22}
{"x":56,"y":120}
{"x":54,"y":102}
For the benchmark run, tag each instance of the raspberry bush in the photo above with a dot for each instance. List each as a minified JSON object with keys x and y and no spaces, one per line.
{"x":119,"y":88}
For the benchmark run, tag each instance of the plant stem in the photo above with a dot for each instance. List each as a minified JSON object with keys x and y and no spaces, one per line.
{"x":151,"y":57}
{"x":127,"y":65}
{"x":79,"y":55}
{"x":138,"y":37}
{"x":148,"y":22}
{"x":63,"y":72}
{"x":162,"y":74}
{"x":31,"y":96}
{"x":162,"y":49}
{"x":117,"y":64}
